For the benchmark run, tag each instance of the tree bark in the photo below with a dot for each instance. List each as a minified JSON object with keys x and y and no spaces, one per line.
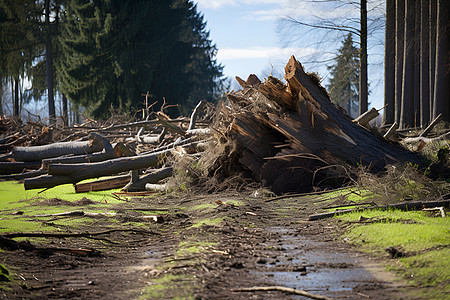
{"x":389,"y":64}
{"x":65,"y":110}
{"x":16,"y":103}
{"x":36,"y":153}
{"x":399,"y":35}
{"x":73,"y":173}
{"x":407,"y":102}
{"x":138,"y":184}
{"x":295,"y":146}
{"x":363,"y":85}
{"x":441,"y":103}
{"x":424,"y":64}
{"x":432,"y":51}
{"x":49,"y":64}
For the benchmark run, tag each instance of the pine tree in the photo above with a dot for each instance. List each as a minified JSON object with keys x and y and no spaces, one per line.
{"x":344,"y":77}
{"x":115,"y":50}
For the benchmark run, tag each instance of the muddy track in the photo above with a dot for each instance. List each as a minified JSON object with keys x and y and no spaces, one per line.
{"x":207,"y":247}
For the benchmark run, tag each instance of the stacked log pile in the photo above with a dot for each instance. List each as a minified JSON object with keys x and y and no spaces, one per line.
{"x":288,"y":136}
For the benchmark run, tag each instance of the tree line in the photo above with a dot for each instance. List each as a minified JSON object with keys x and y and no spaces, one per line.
{"x":100,"y":54}
{"x":416,"y":62}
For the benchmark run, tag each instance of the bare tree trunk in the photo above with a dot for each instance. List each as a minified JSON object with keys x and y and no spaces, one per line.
{"x":416,"y":103}
{"x":65,"y":111}
{"x":399,"y":34}
{"x":16,"y":98}
{"x":389,"y":64}
{"x":363,"y":89}
{"x":424,"y":64}
{"x":407,"y":103}
{"x":432,"y":52}
{"x":441,"y":82}
{"x":49,"y":65}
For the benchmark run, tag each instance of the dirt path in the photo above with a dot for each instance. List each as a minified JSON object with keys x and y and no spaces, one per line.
{"x":203,"y":250}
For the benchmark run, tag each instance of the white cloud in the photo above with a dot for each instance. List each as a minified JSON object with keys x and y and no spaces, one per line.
{"x":215,"y":4}
{"x":262,"y":52}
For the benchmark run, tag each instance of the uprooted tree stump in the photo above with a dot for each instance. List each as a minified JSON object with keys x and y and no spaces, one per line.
{"x":291,"y":137}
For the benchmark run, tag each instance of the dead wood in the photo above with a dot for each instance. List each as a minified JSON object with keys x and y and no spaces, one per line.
{"x":24,"y":175}
{"x":117,"y":182}
{"x":73,"y":234}
{"x":11,"y":245}
{"x":138,"y":184}
{"x":391,"y":131}
{"x":74,"y":173}
{"x":292,"y":137}
{"x":195,"y":114}
{"x":431,"y":126}
{"x":412,"y":205}
{"x":366,"y":117}
{"x":7,"y":168}
{"x":36,"y":153}
{"x":281,"y":289}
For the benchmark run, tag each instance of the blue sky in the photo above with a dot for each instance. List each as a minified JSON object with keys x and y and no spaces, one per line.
{"x":250,"y":38}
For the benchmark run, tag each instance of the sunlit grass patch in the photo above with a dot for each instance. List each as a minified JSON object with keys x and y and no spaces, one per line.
{"x":171,"y":286}
{"x":423,"y":240}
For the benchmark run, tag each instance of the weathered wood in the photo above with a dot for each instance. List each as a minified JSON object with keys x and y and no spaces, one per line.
{"x":431,"y":126}
{"x":74,"y":173}
{"x":7,"y":168}
{"x":366,"y":117}
{"x":117,"y":182}
{"x":412,"y":205}
{"x":195,"y":114}
{"x":36,"y":153}
{"x":138,"y":184}
{"x":391,"y":131}
{"x":307,"y":138}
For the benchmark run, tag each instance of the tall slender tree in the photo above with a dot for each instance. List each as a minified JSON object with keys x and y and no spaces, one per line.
{"x":344,"y":78}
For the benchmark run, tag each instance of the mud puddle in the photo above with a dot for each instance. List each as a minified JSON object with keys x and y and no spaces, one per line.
{"x":313,"y":266}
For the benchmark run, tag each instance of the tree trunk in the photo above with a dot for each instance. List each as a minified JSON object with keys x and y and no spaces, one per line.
{"x":407,"y":102}
{"x":49,"y":64}
{"x":36,"y":153}
{"x":432,"y":51}
{"x":16,"y":98}
{"x":441,"y":103}
{"x":424,"y":64}
{"x":389,"y":64}
{"x":65,"y":110}
{"x":416,"y":103}
{"x":363,"y":85}
{"x":399,"y":34}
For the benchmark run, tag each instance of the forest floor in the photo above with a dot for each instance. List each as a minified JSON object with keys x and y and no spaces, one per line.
{"x":203,"y":247}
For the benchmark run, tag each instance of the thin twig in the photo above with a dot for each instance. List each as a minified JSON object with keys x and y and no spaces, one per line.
{"x":281,"y":289}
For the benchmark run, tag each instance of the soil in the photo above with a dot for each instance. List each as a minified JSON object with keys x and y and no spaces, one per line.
{"x":203,"y":247}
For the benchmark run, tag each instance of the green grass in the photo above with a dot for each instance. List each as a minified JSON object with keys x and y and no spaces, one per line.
{"x":424,"y":238}
{"x":170,"y":286}
{"x":29,"y":203}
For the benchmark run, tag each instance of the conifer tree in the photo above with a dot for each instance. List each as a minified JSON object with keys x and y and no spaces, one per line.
{"x":344,"y":77}
{"x":115,"y":50}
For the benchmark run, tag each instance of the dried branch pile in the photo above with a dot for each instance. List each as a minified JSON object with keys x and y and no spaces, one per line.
{"x":292,"y":137}
{"x":289,"y":137}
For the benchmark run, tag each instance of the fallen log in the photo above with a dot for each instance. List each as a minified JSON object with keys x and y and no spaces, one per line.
{"x":7,"y":168}
{"x":292,"y":137}
{"x":412,"y":205}
{"x":74,"y":173}
{"x":86,"y":158}
{"x":36,"y":153}
{"x":138,"y":184}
